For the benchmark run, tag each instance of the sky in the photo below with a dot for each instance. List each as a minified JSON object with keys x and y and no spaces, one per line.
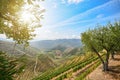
{"x":66,"y":19}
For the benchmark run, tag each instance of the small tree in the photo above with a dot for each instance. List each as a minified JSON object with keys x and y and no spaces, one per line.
{"x":103,"y":38}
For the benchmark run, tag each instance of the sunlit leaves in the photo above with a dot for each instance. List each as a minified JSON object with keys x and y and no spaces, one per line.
{"x":11,"y":23}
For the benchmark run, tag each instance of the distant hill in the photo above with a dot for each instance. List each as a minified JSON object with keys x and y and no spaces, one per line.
{"x":8,"y":47}
{"x":59,"y":44}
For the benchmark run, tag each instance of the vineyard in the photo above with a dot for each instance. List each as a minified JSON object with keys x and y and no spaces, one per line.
{"x":76,"y":69}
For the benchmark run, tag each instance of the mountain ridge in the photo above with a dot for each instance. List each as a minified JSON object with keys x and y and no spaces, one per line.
{"x":47,"y":45}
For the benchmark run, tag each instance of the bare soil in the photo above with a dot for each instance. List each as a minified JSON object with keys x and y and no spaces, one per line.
{"x":112,"y":74}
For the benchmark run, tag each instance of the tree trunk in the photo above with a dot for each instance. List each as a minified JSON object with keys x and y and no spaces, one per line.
{"x":112,"y":55}
{"x":106,"y":62}
{"x":101,"y":59}
{"x":105,"y":65}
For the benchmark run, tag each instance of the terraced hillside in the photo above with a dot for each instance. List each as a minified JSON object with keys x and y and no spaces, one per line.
{"x":76,"y":68}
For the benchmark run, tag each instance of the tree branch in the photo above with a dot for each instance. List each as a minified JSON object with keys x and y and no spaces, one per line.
{"x":97,"y":53}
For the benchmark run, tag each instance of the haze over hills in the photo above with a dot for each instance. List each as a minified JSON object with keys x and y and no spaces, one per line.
{"x":59,"y":44}
{"x":63,"y":45}
{"x":28,"y":54}
{"x":58,"y":49}
{"x":19,"y":49}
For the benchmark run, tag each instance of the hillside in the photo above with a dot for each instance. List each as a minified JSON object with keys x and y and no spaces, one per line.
{"x":61,"y":52}
{"x":28,"y":55}
{"x":8,"y":47}
{"x":72,"y":69}
{"x":59,"y":44}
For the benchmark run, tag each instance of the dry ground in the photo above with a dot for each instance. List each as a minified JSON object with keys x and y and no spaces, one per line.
{"x":112,"y":74}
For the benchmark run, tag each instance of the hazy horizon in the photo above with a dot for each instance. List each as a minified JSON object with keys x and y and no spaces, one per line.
{"x":66,"y":19}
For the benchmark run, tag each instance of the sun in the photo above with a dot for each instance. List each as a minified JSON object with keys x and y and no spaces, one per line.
{"x":26,"y":16}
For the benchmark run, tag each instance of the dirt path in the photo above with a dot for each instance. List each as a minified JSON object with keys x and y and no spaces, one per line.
{"x":113,"y":74}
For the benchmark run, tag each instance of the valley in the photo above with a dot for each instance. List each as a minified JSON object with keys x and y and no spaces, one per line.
{"x":59,"y":40}
{"x":39,"y":60}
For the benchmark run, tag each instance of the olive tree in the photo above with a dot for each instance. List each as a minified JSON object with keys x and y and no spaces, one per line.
{"x":103,"y":38}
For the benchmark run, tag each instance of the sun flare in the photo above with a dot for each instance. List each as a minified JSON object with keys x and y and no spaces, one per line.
{"x":26,"y":16}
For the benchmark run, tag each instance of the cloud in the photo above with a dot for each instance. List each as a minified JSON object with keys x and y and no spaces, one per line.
{"x":63,"y":1}
{"x":74,"y":1}
{"x":54,"y":5}
{"x":52,"y":34}
{"x":91,"y":11}
{"x":80,"y":18}
{"x":72,"y":27}
{"x":100,"y":16}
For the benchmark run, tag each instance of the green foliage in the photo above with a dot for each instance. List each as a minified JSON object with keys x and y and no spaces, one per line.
{"x":115,"y":33}
{"x":62,"y":77}
{"x":104,"y":37}
{"x":10,"y":20}
{"x":9,"y":67}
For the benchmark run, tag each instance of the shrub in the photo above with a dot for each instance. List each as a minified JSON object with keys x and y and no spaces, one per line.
{"x":9,"y":67}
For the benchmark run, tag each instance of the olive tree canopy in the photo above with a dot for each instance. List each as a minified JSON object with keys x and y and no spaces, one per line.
{"x":19,"y":18}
